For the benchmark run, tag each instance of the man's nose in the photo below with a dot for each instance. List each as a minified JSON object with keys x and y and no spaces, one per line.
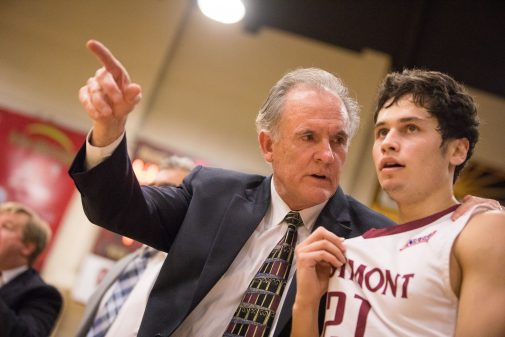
{"x":325,"y":152}
{"x":390,"y":142}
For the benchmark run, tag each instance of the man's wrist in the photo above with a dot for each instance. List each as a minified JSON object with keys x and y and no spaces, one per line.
{"x":96,"y":154}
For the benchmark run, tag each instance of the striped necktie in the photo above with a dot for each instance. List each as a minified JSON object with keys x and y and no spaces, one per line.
{"x":120,"y":290}
{"x":256,"y":311}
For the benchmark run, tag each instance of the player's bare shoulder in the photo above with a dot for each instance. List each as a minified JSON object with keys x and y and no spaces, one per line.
{"x":483,"y":236}
{"x":487,"y":217}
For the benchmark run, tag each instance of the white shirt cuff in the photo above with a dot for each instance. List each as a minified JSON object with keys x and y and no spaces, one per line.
{"x":95,"y":155}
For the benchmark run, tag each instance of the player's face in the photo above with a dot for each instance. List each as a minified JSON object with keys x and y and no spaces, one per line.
{"x":310,"y":147}
{"x":409,"y":160}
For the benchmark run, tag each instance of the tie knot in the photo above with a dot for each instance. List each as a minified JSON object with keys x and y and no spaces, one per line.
{"x":294,"y":218}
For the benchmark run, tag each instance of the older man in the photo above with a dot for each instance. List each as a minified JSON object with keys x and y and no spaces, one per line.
{"x":229,"y":235}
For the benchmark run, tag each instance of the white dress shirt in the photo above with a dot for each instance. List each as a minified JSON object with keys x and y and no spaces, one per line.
{"x":212,"y":315}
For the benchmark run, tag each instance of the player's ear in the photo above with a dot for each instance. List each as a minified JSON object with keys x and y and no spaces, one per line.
{"x":458,"y":151}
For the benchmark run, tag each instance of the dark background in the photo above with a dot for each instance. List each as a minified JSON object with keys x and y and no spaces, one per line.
{"x":462,"y":38}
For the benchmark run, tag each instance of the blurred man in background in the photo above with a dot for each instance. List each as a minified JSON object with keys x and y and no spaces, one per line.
{"x":28,"y":306}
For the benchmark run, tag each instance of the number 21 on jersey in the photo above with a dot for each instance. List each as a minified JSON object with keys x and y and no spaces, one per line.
{"x":345,"y":314}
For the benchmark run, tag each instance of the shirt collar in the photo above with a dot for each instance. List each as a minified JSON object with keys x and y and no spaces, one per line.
{"x":279,"y":209}
{"x":8,"y":275}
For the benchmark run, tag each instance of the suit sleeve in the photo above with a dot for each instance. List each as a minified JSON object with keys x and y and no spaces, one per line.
{"x":112,"y":198}
{"x":34,"y":316}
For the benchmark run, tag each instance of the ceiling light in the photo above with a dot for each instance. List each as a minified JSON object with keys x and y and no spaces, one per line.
{"x":224,"y":11}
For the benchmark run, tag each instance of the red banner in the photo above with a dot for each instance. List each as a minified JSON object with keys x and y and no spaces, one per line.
{"x":35,"y":156}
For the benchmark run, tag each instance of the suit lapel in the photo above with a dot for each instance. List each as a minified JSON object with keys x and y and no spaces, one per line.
{"x":243,"y":215}
{"x":335,"y":216}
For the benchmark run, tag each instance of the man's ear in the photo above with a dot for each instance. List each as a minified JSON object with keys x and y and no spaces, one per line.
{"x":458,"y":151}
{"x":28,"y":249}
{"x":266,"y":143}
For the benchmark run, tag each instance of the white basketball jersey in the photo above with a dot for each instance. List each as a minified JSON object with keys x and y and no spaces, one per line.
{"x":396,"y":281}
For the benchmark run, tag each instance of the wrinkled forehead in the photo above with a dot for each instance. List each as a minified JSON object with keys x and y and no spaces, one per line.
{"x":314,"y":100}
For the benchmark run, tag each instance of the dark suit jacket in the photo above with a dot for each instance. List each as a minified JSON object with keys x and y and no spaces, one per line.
{"x":28,"y":306}
{"x":202,"y":225}
{"x":94,"y":301}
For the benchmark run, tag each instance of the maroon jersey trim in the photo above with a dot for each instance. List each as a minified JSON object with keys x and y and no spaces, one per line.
{"x":374,"y":233}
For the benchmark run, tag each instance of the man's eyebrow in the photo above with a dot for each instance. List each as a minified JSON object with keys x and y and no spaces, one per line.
{"x":304,"y":131}
{"x":342,"y":133}
{"x":402,"y":120}
{"x":412,"y":119}
{"x":379,"y":124}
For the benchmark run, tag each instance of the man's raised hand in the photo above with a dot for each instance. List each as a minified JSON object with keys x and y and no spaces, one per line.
{"x":108,"y":97}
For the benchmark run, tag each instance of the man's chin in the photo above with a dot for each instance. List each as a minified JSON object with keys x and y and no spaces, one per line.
{"x":394,"y":191}
{"x":320,"y":195}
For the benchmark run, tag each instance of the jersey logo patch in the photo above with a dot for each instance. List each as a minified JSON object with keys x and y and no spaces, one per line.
{"x":421,"y":239}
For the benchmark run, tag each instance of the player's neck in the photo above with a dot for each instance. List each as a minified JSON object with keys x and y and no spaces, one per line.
{"x":409,"y":211}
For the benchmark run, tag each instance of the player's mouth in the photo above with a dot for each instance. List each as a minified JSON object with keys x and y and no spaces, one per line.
{"x":389,"y":164}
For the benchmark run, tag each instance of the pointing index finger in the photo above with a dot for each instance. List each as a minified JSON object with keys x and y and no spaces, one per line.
{"x":109,"y":62}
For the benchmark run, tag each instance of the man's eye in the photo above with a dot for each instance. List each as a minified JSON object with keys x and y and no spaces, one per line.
{"x":307,"y":137}
{"x":381,"y":133}
{"x":412,"y":128}
{"x":340,"y":140}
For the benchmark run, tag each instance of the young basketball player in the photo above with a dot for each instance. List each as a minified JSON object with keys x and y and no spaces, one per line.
{"x":429,"y":276}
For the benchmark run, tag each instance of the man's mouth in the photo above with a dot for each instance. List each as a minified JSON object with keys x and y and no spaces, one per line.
{"x":319,"y":176}
{"x":390,"y":164}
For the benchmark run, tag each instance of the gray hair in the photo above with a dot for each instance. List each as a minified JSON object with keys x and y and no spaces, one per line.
{"x":269,"y":115}
{"x":36,"y":230}
{"x":176,"y":162}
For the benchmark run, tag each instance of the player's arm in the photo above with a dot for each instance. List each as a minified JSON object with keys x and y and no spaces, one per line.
{"x":480,"y":253}
{"x":305,"y":322}
{"x":315,"y":258}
